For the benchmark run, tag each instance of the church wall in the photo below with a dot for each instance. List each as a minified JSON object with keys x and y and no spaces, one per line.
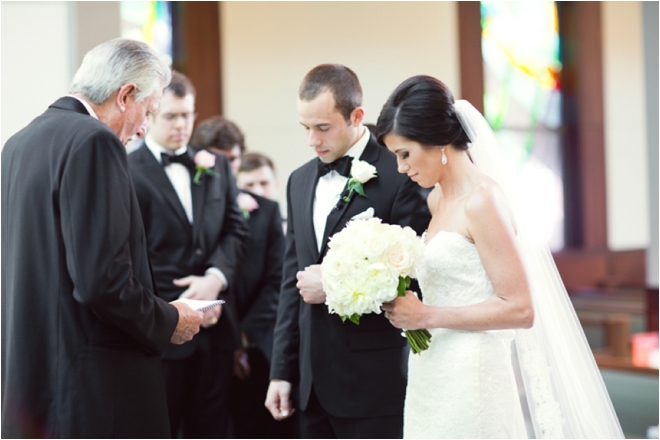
{"x":625,"y":126}
{"x":267,"y":47}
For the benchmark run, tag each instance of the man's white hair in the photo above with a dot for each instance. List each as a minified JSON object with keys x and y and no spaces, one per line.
{"x":115,"y":63}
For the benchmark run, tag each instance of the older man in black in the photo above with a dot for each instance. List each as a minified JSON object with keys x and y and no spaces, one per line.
{"x":82,"y":331}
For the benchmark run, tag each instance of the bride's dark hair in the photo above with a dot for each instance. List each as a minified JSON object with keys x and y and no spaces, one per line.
{"x":422,"y":109}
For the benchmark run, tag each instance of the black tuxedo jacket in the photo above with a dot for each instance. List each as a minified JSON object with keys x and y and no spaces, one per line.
{"x":356,"y":370}
{"x":177,"y":248}
{"x":82,"y":330}
{"x":257,"y":285}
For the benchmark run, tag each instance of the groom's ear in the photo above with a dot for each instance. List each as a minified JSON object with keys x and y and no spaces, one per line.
{"x":357,"y":115}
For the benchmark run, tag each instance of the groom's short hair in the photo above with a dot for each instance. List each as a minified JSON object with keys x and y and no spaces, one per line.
{"x":341,"y":81}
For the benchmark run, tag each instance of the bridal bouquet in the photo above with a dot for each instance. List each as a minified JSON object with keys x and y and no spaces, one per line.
{"x":370,"y":263}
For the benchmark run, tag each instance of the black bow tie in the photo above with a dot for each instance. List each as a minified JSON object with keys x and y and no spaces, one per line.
{"x":341,"y":165}
{"x":183,"y":159}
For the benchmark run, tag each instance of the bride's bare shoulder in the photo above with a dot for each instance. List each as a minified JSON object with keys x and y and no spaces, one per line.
{"x":486,"y":202}
{"x":434,"y":198}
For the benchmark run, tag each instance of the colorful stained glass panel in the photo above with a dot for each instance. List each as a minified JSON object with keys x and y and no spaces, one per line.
{"x":150,"y":22}
{"x":522,"y":103}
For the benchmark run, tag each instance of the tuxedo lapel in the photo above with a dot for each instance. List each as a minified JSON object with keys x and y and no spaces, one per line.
{"x":155,"y":174}
{"x":370,"y":154}
{"x":307,"y":210}
{"x":198,"y":194}
{"x":334,"y":216}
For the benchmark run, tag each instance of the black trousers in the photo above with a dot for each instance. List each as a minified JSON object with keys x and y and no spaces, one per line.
{"x":249,"y":416}
{"x":315,"y":422}
{"x":198,"y":393}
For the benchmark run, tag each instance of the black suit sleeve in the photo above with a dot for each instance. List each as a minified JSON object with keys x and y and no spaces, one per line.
{"x":96,"y":199}
{"x":231,"y":245}
{"x":263,"y":311}
{"x":233,"y":239}
{"x":286,"y":337}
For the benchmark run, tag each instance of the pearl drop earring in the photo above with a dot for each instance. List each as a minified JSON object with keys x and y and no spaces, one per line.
{"x":444,"y":158}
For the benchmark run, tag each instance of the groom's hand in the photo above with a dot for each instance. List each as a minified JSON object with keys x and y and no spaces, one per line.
{"x":278,"y":399}
{"x":310,"y":286}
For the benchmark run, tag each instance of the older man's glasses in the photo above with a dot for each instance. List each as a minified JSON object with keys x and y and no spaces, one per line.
{"x":172,"y":117}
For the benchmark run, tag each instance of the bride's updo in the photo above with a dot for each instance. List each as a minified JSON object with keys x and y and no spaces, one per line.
{"x":422,"y":109}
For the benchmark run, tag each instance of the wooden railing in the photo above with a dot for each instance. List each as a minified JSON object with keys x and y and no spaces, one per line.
{"x":613,"y":311}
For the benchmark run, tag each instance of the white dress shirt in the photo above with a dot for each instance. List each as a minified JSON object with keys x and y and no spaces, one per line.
{"x":177,"y":173}
{"x":92,"y":113}
{"x":330,"y":187}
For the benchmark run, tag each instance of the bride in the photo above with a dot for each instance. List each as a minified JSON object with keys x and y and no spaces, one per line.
{"x":492,"y":298}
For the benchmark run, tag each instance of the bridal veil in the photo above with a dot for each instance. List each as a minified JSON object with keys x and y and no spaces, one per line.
{"x":564,"y":389}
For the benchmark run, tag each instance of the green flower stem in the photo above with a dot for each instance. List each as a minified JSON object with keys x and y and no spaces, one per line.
{"x":200,"y":171}
{"x":417,"y":339}
{"x":198,"y":174}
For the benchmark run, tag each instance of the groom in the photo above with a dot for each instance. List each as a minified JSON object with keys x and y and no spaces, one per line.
{"x":351,"y":378}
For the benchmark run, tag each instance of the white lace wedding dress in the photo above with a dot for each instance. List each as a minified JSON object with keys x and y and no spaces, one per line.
{"x":463,"y":386}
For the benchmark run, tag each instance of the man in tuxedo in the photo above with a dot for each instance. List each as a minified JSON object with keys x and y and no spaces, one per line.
{"x":82,"y":331}
{"x":196,"y":235}
{"x":351,"y":378}
{"x":257,"y":175}
{"x":256,"y":291}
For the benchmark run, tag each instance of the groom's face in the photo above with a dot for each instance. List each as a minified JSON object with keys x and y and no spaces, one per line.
{"x":328,"y":132}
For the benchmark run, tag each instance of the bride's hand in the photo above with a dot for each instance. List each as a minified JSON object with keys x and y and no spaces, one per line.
{"x":405,"y":311}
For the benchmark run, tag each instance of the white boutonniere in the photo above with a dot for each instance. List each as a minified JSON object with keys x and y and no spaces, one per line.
{"x":204,"y":162}
{"x":361,"y":173}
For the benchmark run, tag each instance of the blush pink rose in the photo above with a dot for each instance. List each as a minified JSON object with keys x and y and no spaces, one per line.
{"x":204,"y":159}
{"x":246,"y":202}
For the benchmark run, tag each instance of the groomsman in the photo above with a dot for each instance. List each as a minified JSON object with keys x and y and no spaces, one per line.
{"x":82,"y":331}
{"x":196,"y":234}
{"x":257,"y":175}
{"x":256,"y":291}
{"x":351,"y":378}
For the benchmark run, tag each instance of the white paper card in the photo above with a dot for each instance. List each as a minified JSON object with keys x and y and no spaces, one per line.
{"x":200,"y":305}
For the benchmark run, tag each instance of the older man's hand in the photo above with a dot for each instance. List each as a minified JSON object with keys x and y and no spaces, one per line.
{"x":188,"y":325}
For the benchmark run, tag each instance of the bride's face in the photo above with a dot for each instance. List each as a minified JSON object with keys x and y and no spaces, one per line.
{"x":421,"y":164}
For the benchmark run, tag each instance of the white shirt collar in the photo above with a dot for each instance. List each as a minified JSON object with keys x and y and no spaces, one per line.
{"x":358,"y":148}
{"x":156,"y":149}
{"x":88,"y":107}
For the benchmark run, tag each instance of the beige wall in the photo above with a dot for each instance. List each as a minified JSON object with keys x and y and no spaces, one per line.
{"x":625,"y":126}
{"x":43,"y":44}
{"x":267,"y":47}
{"x":36,"y":60}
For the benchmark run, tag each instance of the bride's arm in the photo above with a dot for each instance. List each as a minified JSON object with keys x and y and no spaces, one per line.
{"x":490,"y":226}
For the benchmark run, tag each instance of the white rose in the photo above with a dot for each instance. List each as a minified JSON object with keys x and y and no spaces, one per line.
{"x":332,"y":266}
{"x":362,"y":171}
{"x":399,"y":260}
{"x":375,"y":246}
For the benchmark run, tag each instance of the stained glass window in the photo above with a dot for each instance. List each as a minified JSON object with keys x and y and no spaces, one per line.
{"x":150,"y":22}
{"x":522,"y":103}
